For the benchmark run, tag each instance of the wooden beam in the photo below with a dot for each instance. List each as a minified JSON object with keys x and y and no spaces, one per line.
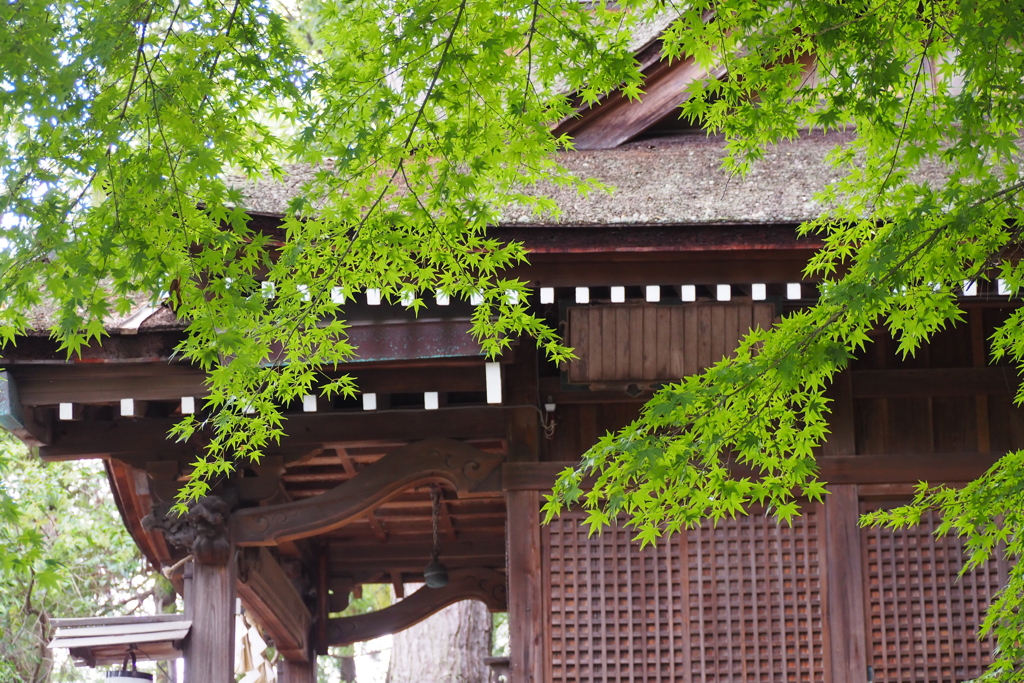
{"x":845,"y":587}
{"x":412,"y":557}
{"x":618,"y":118}
{"x":271,"y":598}
{"x":115,"y":438}
{"x":526,"y":617}
{"x":485,"y":585}
{"x":856,"y":469}
{"x":934,"y":382}
{"x":109,"y":383}
{"x":460,"y":465}
{"x":18,"y":418}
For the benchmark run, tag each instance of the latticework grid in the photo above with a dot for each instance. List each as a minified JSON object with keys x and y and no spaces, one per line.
{"x":616,"y":611}
{"x":736,"y":602}
{"x":922,"y":619}
{"x":755,"y":600}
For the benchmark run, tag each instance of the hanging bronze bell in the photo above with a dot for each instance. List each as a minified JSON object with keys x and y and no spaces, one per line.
{"x":435,"y":574}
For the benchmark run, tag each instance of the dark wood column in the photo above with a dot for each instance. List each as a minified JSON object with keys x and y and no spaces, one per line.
{"x":845,"y":589}
{"x":297,"y":672}
{"x":526,"y":616}
{"x":210,"y":651}
{"x":209,"y":587}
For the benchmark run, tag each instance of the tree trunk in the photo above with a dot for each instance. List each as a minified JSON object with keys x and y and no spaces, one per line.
{"x":449,"y":647}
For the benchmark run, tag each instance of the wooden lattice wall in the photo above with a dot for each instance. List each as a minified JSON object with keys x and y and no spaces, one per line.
{"x":747,"y":600}
{"x":736,"y":602}
{"x":922,"y":619}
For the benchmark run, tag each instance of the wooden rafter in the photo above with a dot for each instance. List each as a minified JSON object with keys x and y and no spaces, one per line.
{"x":485,"y":585}
{"x":460,"y":465}
{"x":618,"y":119}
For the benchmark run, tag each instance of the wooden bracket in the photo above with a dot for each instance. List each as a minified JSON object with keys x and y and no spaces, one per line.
{"x":268,"y":594}
{"x":444,"y":460}
{"x":485,"y":585}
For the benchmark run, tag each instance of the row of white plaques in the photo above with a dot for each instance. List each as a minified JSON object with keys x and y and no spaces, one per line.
{"x":758,"y":292}
{"x":492,"y":376}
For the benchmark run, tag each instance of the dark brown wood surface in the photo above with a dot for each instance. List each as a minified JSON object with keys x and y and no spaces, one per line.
{"x":742,"y":600}
{"x":459,"y":465}
{"x":845,"y":603}
{"x":648,"y":343}
{"x":142,"y":438}
{"x":528,"y":638}
{"x":857,"y":469}
{"x":296,"y":672}
{"x":924,"y":616}
{"x":210,"y":648}
{"x":485,"y":585}
{"x":617,"y":118}
{"x":271,"y":599}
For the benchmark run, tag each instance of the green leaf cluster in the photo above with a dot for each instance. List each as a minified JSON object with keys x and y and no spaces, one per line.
{"x":925,"y":199}
{"x":64,"y":552}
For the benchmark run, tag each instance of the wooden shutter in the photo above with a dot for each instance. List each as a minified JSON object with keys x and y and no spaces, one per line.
{"x":922,"y":619}
{"x":647,"y":343}
{"x":741,"y":601}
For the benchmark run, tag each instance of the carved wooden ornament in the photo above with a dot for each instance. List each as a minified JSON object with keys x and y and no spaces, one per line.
{"x":454,"y":462}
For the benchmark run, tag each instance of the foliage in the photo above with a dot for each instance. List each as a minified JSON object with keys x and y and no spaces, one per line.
{"x":925,"y":86}
{"x":420,"y":121}
{"x":423,"y":120}
{"x":64,"y":552}
{"x":339,"y":666}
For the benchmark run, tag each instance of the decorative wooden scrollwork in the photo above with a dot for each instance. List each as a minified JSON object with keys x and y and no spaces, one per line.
{"x":485,"y":585}
{"x":457,"y":463}
{"x":204,"y":530}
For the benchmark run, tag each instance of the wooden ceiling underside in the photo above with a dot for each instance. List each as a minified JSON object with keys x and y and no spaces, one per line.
{"x":391,"y":539}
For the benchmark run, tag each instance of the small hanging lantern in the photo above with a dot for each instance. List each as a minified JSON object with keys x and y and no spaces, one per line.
{"x":435,"y":574}
{"x":125,"y":675}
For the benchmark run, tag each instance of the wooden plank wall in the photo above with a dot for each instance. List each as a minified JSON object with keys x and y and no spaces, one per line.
{"x":947,"y":413}
{"x":649,"y":343}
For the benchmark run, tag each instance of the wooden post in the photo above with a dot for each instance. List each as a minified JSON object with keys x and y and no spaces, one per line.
{"x":210,"y":650}
{"x":210,"y":647}
{"x":842,"y":439}
{"x":845,"y":589}
{"x":979,"y":357}
{"x":526,"y":617}
{"x":297,"y":672}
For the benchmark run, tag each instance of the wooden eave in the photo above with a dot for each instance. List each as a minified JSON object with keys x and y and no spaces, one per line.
{"x":105,"y":641}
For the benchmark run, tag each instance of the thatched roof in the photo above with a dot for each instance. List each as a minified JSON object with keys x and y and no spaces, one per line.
{"x":670,"y":180}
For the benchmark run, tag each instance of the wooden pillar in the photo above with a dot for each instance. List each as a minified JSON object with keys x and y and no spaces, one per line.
{"x":210,"y":647}
{"x":845,"y":586}
{"x":526,"y":617}
{"x":210,"y":650}
{"x":297,"y":672}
